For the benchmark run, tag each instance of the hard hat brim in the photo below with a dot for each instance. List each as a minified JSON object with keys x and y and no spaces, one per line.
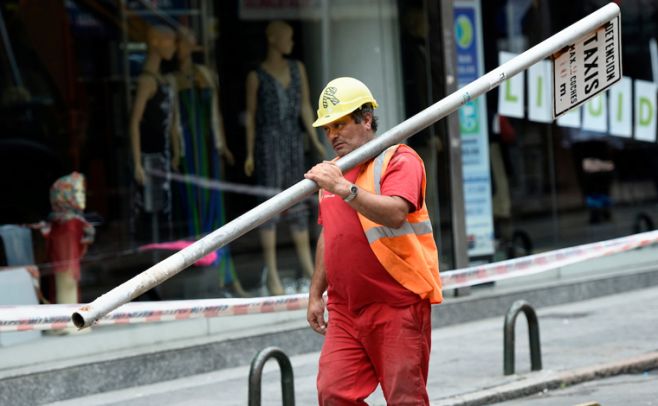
{"x":329,"y":118}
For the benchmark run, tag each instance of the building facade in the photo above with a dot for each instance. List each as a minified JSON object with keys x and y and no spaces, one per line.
{"x":503,"y":179}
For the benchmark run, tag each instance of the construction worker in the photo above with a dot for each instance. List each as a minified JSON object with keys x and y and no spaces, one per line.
{"x":376,"y":258}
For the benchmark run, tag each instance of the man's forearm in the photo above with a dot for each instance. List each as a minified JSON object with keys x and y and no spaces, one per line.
{"x":319,"y":280}
{"x":390,"y":211}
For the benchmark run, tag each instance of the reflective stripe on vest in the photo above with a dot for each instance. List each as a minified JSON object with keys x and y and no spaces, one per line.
{"x":375,"y":233}
{"x":379,"y":164}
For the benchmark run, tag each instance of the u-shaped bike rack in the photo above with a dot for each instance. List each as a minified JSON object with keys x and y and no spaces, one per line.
{"x":256,"y":373}
{"x":533,"y":334}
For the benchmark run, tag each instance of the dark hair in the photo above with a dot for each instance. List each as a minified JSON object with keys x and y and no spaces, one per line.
{"x":357,"y":115}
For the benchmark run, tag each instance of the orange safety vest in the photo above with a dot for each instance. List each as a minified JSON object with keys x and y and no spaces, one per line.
{"x":408,"y":253}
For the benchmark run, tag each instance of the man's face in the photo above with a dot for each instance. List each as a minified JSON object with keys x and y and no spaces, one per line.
{"x":345,"y":135}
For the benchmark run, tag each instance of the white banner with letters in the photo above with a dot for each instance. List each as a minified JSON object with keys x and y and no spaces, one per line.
{"x":645,"y":110}
{"x":620,"y":108}
{"x":511,"y":95}
{"x":570,"y":119}
{"x":539,"y":92}
{"x":595,"y":114}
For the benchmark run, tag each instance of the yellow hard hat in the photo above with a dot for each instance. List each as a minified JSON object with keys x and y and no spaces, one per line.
{"x":340,"y":97}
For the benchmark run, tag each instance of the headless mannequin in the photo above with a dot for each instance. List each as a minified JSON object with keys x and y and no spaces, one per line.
{"x":161,"y":45}
{"x":197,"y":91}
{"x":279,"y":44}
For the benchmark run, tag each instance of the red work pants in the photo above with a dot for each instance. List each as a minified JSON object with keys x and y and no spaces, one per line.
{"x":383,"y":344}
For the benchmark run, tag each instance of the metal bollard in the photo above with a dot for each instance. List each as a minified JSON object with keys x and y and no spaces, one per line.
{"x":533,"y":334}
{"x":256,"y":372}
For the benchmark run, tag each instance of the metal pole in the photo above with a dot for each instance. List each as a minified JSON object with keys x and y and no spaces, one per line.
{"x":325,"y":24}
{"x":457,"y":206}
{"x":160,"y":272}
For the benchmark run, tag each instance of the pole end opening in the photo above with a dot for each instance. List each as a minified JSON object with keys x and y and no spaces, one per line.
{"x":78,"y":320}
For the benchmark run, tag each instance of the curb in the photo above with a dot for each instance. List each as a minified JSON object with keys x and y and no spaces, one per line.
{"x":536,"y":382}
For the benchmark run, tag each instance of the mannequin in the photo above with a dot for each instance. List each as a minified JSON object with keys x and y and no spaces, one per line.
{"x":204,"y":144}
{"x":151,"y":132}
{"x":68,"y":236}
{"x":277,"y":97}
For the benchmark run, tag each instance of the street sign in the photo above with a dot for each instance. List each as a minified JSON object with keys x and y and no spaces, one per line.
{"x":587,"y":67}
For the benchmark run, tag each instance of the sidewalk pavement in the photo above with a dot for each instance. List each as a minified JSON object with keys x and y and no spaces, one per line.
{"x":627,"y":389}
{"x":580,"y":341}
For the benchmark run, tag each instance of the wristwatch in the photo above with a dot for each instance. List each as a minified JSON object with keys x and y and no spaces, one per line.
{"x":353,"y":191}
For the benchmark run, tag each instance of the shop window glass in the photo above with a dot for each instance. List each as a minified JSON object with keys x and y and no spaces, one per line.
{"x":577,"y":180}
{"x":85,"y":82}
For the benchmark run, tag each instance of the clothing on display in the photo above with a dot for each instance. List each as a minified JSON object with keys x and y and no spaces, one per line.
{"x":279,"y":147}
{"x":203,"y":209}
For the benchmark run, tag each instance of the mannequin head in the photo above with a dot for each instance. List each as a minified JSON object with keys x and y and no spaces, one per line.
{"x":67,"y":194}
{"x":279,"y":37}
{"x":161,"y":40}
{"x":187,"y":43}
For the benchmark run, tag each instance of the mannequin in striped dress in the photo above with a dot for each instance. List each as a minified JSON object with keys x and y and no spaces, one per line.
{"x":204,"y":152}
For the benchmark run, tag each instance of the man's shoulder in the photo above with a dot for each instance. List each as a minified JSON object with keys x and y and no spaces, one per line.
{"x":404,"y":154}
{"x":404,"y":148}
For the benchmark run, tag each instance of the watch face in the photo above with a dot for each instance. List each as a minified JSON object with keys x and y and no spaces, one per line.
{"x":353,"y":191}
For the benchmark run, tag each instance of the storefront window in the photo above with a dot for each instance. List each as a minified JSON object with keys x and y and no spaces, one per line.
{"x":587,"y":176}
{"x":330,"y":39}
{"x":126,"y":129}
{"x":141,"y":111}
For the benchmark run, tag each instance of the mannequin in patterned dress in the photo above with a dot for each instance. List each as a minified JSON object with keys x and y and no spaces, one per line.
{"x":277,"y":99}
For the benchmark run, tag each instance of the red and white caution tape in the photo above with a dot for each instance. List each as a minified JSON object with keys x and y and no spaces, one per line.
{"x":52,"y":317}
{"x":544,"y":262}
